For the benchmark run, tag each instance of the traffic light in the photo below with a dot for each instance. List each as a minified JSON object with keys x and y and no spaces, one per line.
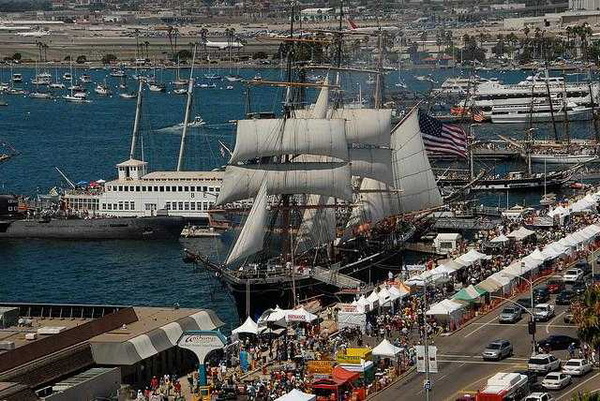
{"x":531,"y":327}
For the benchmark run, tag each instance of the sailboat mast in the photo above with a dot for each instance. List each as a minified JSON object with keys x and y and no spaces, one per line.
{"x":550,"y":103}
{"x":136,"y":122}
{"x":566,"y":112}
{"x":378,"y":78}
{"x":593,"y":105}
{"x":186,"y":118}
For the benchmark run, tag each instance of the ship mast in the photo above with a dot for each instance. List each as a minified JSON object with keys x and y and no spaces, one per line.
{"x":136,"y":122}
{"x":186,"y":118}
{"x":547,"y":75}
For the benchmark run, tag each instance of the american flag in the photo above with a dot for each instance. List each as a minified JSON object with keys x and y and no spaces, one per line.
{"x":442,"y":138}
{"x":477,"y":114}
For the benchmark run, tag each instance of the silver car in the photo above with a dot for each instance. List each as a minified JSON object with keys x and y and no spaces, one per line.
{"x":510,"y":314}
{"x":497,"y":350}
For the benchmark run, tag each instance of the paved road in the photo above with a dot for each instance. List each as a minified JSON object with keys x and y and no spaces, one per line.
{"x":462,"y":370}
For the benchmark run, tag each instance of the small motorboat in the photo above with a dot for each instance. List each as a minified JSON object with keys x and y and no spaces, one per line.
{"x":102,"y":90}
{"x":85,"y":78}
{"x":17,"y":78}
{"x":79,"y":97}
{"x":40,"y":96}
{"x":127,"y":95}
{"x":180,"y":91}
{"x":57,"y":85}
{"x":117,"y":73}
{"x":212,"y":76}
{"x":229,"y":87}
{"x":156,"y":87}
{"x":67,"y":76}
{"x":233,"y":78}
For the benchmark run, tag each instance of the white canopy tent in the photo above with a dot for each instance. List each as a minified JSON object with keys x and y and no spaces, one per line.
{"x":444,"y":307}
{"x":501,"y":239}
{"x":276,"y":316}
{"x":397,"y":293}
{"x":554,"y":250}
{"x":297,"y":395}
{"x":248,"y":327}
{"x":520,"y":234}
{"x":559,"y":211}
{"x":300,"y":315}
{"x":537,"y":254}
{"x":471,"y":257}
{"x":373,"y":300}
{"x":386,"y":349}
{"x":385,"y":298}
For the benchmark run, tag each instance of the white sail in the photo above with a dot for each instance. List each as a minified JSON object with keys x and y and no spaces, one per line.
{"x":363,"y":126}
{"x":379,"y":201}
{"x":373,"y":163}
{"x":366,"y":126}
{"x":318,"y":225}
{"x":322,"y":103}
{"x":250,"y":240}
{"x":327,"y":179}
{"x":275,"y":137}
{"x":411,"y":168}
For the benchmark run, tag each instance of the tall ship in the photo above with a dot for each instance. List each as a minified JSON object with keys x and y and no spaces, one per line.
{"x":332,"y":189}
{"x":537,"y":88}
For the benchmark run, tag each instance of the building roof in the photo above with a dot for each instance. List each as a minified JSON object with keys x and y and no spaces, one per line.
{"x":156,"y":330}
{"x":132,"y":163}
{"x":183,"y":175}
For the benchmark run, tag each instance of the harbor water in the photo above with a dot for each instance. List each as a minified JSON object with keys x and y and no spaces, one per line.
{"x":86,"y":141}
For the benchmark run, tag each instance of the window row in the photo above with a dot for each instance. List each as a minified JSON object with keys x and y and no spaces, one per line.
{"x":161,"y":188}
{"x":189,"y":205}
{"x":127,"y":205}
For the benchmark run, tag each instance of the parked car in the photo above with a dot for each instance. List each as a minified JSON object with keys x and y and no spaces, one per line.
{"x":579,"y":288}
{"x":577,"y":367}
{"x":584,"y":266}
{"x":543,"y":312}
{"x":543,"y":363}
{"x":497,"y":350}
{"x":565,"y":297}
{"x":556,"y":381}
{"x":558,"y":341}
{"x":510,"y":314}
{"x":572,"y":275}
{"x":555,"y":285}
{"x":531,"y":376}
{"x":540,"y":295}
{"x":539,"y":397}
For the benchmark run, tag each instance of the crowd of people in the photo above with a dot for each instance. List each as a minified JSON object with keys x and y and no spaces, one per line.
{"x":265,"y":367}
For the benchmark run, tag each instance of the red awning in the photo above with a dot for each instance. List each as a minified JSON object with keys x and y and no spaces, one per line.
{"x":343,"y":375}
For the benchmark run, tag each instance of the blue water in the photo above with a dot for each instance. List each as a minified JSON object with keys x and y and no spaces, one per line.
{"x":86,"y":140}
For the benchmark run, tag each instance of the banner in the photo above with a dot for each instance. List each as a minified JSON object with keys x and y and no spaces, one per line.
{"x":433,"y":367}
{"x":320,"y":367}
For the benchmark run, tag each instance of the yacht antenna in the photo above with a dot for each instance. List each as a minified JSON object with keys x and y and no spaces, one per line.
{"x":136,"y":122}
{"x":186,"y":118}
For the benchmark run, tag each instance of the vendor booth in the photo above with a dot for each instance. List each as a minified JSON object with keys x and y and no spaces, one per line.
{"x":297,"y":395}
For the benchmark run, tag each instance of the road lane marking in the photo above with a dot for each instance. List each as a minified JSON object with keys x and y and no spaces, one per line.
{"x":480,"y":327}
{"x":437,"y":380}
{"x":478,"y":362}
{"x":576,"y":387}
{"x":550,"y":322}
{"x":562,"y":326}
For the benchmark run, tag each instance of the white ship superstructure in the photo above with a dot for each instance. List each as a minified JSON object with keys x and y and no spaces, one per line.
{"x":188,"y":194}
{"x":533,"y":89}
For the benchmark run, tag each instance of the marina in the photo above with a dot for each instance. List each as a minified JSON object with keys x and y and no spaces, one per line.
{"x":330,"y":211}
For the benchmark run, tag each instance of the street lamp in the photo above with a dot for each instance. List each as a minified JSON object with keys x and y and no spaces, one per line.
{"x":426,"y":281}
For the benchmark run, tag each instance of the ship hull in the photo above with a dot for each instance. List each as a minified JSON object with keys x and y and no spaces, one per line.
{"x":561,"y":159}
{"x":278,"y":291}
{"x":140,"y":228}
{"x":513,"y":185}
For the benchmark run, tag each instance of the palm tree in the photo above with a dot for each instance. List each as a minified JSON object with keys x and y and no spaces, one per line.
{"x":147,"y":45}
{"x":587,"y":396}
{"x":586,"y":313}
{"x":203,"y":37}
{"x":424,"y":36}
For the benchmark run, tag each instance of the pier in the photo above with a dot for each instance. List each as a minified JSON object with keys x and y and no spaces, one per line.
{"x":334,"y":277}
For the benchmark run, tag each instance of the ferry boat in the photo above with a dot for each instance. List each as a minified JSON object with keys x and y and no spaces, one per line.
{"x":136,"y":192}
{"x":539,"y":112}
{"x":459,"y":86}
{"x":535,"y":88}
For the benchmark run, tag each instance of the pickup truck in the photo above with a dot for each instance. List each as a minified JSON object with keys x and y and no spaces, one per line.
{"x":543,"y":312}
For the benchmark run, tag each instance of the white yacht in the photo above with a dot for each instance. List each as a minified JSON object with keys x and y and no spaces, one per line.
{"x":459,"y":86}
{"x":492,"y":93}
{"x":539,"y":112}
{"x":103,"y":90}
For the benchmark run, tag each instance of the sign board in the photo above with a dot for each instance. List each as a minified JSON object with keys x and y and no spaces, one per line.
{"x":348,"y":308}
{"x":202,"y":343}
{"x":420,"y":350}
{"x":320,"y":367}
{"x":354,"y":355}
